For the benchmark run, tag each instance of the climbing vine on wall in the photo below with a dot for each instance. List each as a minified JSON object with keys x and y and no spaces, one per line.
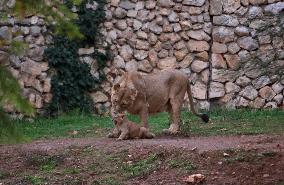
{"x":72,"y":79}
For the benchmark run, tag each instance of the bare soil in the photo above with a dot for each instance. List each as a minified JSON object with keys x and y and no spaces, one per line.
{"x":245,"y":159}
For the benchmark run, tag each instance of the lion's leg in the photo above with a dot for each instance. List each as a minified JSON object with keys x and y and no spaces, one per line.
{"x":144,"y":117}
{"x":175,"y":115}
{"x":115,"y":133}
{"x":145,"y":133}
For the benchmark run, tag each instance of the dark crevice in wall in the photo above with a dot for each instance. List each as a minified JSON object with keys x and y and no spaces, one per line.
{"x":210,"y":59}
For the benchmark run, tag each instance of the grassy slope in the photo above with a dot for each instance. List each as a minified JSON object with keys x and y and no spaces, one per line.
{"x":222,"y":122}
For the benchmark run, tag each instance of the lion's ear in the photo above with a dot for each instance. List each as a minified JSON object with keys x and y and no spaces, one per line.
{"x":116,"y":86}
{"x":133,"y":94}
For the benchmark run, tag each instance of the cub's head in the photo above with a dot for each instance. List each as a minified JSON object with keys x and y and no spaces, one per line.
{"x":122,"y":97}
{"x":119,"y":119}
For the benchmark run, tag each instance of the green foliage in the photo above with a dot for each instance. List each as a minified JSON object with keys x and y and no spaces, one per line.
{"x":186,"y":165}
{"x":10,"y":92}
{"x":35,"y":180}
{"x":90,"y":21}
{"x":72,"y":79}
{"x":142,"y":167}
{"x":17,"y":47}
{"x":10,"y":95}
{"x":57,"y":14}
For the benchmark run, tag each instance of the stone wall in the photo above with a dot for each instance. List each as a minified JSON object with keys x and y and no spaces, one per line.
{"x":247,"y":53}
{"x":230,"y":49}
{"x":29,"y":68}
{"x":220,"y":44}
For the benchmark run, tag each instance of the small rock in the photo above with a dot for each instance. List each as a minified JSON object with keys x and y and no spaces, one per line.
{"x":248,"y":43}
{"x":194,"y":179}
{"x":233,"y":48}
{"x":127,"y":5}
{"x":166,"y":63}
{"x":277,"y":87}
{"x":216,"y":90}
{"x":230,"y":87}
{"x":223,"y":34}
{"x":131,"y":66}
{"x":35,"y":30}
{"x":218,"y":61}
{"x":144,"y":45}
{"x":226,"y":154}
{"x":278,"y":99}
{"x":255,"y":12}
{"x":140,"y":54}
{"x":145,"y":66}
{"x":242,"y":31}
{"x":5,"y":33}
{"x":165,"y":3}
{"x":193,"y":2}
{"x":120,"y":13}
{"x":261,"y":82}
{"x":126,"y":53}
{"x":11,"y":3}
{"x":199,"y":90}
{"x":267,"y":93}
{"x":218,"y":47}
{"x":271,"y":105}
{"x":86,"y":51}
{"x":257,"y":103}
{"x":215,"y":7}
{"x":99,"y":97}
{"x":233,"y":61}
{"x":197,"y":45}
{"x":257,"y":2}
{"x":266,"y":175}
{"x":118,"y":62}
{"x":198,"y":35}
{"x":198,"y":66}
{"x":275,"y":8}
{"x":186,"y":61}
{"x":226,"y":20}
{"x":137,"y":24}
{"x":249,"y":92}
{"x":243,"y":81}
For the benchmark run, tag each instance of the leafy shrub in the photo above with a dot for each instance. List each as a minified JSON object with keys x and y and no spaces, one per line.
{"x":72,"y":79}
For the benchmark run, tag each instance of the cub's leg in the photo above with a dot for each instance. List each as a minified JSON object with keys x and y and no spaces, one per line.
{"x":145,"y":133}
{"x":115,"y":133}
{"x":124,"y":133}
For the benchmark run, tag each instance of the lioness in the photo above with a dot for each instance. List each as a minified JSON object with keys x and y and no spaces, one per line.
{"x":149,"y":94}
{"x":126,"y":129}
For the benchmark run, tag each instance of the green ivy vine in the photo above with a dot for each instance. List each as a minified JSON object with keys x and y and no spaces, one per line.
{"x":72,"y":79}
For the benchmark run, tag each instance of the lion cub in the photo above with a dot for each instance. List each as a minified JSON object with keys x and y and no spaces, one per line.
{"x":126,"y":129}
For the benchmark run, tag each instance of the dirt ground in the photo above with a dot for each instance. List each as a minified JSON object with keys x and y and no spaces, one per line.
{"x":164,"y":160}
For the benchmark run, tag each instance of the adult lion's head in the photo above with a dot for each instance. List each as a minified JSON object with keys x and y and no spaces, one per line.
{"x":123,"y":95}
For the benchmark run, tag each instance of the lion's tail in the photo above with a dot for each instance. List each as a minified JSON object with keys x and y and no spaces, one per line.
{"x":204,"y":117}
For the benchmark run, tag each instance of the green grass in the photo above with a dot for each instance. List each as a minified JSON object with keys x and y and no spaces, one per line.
{"x":142,"y":167}
{"x":184,"y":164}
{"x":35,"y":180}
{"x":223,"y":122}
